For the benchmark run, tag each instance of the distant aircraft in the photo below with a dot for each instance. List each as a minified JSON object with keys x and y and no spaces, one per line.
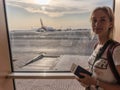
{"x":44,"y":28}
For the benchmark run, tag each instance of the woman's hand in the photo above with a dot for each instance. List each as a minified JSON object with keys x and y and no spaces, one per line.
{"x":87,"y":80}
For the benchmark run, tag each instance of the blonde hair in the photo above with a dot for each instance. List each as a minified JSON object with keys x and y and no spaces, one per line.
{"x":110,"y":15}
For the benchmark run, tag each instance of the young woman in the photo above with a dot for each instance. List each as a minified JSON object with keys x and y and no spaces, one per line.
{"x":102,"y":78}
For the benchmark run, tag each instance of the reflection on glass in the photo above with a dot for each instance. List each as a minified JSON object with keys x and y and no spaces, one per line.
{"x":50,"y":34}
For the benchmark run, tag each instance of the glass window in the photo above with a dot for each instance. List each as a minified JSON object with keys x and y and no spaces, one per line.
{"x":50,"y":34}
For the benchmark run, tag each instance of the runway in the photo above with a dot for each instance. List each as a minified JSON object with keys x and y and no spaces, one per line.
{"x":49,"y":51}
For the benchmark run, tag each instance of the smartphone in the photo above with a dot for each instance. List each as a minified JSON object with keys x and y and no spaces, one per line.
{"x":76,"y":69}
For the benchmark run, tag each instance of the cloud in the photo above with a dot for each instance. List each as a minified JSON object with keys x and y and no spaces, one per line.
{"x":56,"y":8}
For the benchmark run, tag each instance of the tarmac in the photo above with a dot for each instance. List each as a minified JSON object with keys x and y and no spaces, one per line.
{"x":49,"y":51}
{"x":62,"y":63}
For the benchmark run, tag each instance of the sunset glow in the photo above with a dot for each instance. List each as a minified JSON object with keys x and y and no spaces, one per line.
{"x":25,"y":14}
{"x":42,"y":2}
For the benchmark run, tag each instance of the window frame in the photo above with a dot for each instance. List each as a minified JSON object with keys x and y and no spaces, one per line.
{"x":9,"y":71}
{"x":43,"y":74}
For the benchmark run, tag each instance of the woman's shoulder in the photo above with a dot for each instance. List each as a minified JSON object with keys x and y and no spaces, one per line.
{"x":116,"y":42}
{"x":116,"y":49}
{"x":113,"y":45}
{"x":116,"y":53}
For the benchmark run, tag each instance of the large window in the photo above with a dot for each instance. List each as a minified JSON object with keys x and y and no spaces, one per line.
{"x":50,"y":34}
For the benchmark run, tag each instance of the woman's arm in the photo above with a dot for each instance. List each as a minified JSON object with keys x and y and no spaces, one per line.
{"x":104,"y":85}
{"x":108,"y":86}
{"x":92,"y":81}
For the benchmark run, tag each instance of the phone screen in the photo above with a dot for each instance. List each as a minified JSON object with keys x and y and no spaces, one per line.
{"x":82,"y":70}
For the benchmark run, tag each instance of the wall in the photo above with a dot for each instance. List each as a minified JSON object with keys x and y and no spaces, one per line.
{"x":117,"y":20}
{"x":5,"y":68}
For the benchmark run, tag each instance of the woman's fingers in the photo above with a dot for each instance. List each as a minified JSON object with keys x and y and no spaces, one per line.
{"x":85,"y":80}
{"x":83,"y":74}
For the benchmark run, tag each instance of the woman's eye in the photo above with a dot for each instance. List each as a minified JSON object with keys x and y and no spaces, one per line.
{"x":94,"y":21}
{"x":102,"y":20}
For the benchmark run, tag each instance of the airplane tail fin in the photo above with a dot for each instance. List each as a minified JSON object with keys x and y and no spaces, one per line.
{"x":41,"y":22}
{"x":42,"y":26}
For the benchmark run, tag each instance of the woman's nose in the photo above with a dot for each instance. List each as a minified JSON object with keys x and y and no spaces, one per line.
{"x":98,"y":23}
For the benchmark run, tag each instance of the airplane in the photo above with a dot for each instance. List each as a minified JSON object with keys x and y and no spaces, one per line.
{"x":44,"y":28}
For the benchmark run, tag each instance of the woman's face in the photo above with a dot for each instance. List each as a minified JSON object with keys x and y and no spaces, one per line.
{"x":100,"y":23}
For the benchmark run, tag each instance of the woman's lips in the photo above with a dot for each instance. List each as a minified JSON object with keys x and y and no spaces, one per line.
{"x":99,"y":29}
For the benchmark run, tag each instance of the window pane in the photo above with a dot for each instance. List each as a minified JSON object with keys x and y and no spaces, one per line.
{"x":51,"y":84}
{"x":51,"y":34}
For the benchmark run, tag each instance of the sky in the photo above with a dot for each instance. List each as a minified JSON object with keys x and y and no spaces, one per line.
{"x":59,"y":14}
